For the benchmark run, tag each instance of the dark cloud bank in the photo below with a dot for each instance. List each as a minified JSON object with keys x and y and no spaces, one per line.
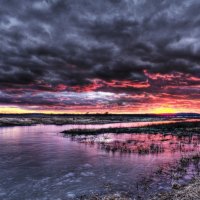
{"x":54,"y":52}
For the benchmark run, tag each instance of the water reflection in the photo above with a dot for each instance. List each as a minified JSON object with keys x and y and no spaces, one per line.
{"x":38,"y":163}
{"x":142,"y":143}
{"x":177,"y":157}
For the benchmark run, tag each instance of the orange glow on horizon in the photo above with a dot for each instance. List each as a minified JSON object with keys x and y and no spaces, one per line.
{"x":163,"y":110}
{"x":128,"y":110}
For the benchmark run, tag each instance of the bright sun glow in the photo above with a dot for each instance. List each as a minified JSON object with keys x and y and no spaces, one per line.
{"x":162,"y":110}
{"x":13,"y":110}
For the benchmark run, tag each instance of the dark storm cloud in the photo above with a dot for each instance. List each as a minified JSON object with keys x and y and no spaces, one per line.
{"x":45,"y":43}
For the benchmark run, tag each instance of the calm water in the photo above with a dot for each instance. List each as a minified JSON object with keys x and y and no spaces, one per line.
{"x":37,"y":162}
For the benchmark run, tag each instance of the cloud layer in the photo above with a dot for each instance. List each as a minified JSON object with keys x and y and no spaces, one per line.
{"x":106,"y":54}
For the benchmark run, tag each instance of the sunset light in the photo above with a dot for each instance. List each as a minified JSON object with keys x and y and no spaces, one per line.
{"x":99,"y":99}
{"x":164,"y":110}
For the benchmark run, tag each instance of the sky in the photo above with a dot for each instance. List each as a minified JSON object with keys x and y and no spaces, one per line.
{"x":86,"y":56}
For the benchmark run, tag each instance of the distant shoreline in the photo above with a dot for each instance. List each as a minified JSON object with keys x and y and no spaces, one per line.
{"x":101,"y":114}
{"x":28,"y":120}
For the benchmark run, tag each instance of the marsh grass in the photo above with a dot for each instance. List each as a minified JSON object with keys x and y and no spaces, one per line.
{"x":180,"y":129}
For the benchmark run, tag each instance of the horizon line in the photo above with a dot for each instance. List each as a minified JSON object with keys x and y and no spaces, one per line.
{"x":38,"y":113}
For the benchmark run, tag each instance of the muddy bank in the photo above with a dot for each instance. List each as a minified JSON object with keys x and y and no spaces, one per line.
{"x":191,"y":191}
